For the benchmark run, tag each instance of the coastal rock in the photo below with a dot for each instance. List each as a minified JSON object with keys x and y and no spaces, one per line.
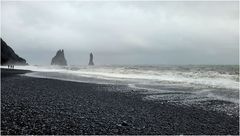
{"x":59,"y":59}
{"x":91,"y":60}
{"x":8,"y":56}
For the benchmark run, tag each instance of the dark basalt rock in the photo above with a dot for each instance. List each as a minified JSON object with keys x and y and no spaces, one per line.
{"x":59,"y":59}
{"x":91,"y":60}
{"x":9,"y":57}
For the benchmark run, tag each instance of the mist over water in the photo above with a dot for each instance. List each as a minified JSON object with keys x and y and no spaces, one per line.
{"x":210,"y":76}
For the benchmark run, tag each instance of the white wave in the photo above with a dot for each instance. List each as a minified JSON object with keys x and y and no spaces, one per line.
{"x":208,"y":78}
{"x":147,"y":75}
{"x":150,"y":80}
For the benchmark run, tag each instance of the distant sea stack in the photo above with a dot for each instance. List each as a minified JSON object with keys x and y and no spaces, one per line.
{"x":59,"y":59}
{"x":8,"y":56}
{"x":91,"y":60}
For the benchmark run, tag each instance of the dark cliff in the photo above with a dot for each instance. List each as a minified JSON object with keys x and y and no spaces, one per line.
{"x":59,"y":59}
{"x":8,"y":56}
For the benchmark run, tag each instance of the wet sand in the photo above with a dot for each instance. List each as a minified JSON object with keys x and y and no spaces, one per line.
{"x":47,"y":106}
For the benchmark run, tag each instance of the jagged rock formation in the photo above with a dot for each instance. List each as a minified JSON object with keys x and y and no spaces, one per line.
{"x":8,"y":56}
{"x":59,"y":59}
{"x":91,"y":60}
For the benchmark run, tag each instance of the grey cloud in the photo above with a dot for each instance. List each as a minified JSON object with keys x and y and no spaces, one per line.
{"x":141,"y":32}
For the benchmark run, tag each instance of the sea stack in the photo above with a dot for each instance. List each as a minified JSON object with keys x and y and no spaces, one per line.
{"x":9,"y":57}
{"x":91,"y":60}
{"x":59,"y":59}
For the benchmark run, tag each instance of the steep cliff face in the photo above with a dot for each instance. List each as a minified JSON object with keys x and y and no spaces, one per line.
{"x":91,"y":60}
{"x":59,"y":59}
{"x":8,"y":56}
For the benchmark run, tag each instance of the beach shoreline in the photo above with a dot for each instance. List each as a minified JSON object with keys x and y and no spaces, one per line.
{"x":48,"y":106}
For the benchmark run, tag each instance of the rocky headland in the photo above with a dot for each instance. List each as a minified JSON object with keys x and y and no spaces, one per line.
{"x":9,"y":57}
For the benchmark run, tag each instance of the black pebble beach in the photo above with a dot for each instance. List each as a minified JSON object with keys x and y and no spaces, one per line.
{"x":47,"y":106}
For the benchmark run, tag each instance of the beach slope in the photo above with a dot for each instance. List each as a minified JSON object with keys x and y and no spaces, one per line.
{"x":46,"y":106}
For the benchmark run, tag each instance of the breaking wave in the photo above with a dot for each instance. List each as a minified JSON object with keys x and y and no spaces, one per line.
{"x":221,"y":81}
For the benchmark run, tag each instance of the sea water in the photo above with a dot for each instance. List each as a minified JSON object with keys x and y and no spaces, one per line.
{"x":185,"y":84}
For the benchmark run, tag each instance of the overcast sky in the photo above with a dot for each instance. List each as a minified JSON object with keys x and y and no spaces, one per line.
{"x":123,"y":32}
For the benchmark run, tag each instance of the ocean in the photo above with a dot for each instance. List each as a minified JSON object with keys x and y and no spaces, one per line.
{"x":179,"y":84}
